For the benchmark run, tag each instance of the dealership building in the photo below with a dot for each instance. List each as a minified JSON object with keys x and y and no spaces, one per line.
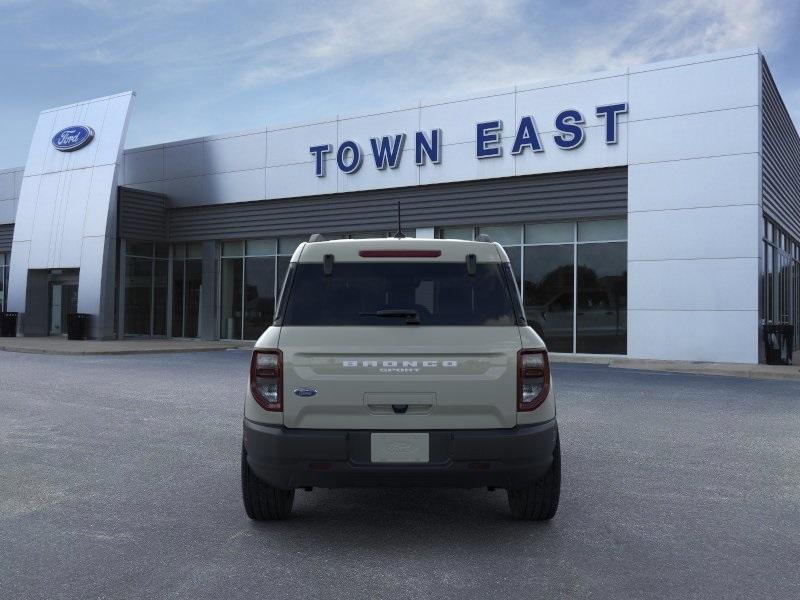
{"x":652,"y":211}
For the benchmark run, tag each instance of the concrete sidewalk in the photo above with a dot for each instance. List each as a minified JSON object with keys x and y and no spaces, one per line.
{"x":750,"y":371}
{"x":60,"y":345}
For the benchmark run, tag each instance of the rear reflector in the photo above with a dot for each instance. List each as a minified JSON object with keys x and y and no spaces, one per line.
{"x":399,"y":253}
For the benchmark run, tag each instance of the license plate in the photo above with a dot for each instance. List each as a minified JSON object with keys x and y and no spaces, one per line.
{"x":400,"y":447}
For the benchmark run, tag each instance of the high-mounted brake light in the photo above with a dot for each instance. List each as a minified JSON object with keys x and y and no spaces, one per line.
{"x":399,"y":253}
{"x":533,"y":379}
{"x":266,"y":378}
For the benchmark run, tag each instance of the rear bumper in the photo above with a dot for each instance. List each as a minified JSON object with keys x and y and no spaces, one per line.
{"x":504,"y":458}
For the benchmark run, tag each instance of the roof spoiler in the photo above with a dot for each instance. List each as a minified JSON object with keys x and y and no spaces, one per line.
{"x":316,"y":237}
{"x":482,"y":237}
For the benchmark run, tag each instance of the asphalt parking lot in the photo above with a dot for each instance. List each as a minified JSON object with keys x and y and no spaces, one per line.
{"x":120,"y":479}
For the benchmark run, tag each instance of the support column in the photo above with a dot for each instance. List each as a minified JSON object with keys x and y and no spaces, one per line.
{"x":209,"y":329}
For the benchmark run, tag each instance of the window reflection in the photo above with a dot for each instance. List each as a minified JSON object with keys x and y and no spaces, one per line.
{"x":548,"y":294}
{"x":602,"y":306}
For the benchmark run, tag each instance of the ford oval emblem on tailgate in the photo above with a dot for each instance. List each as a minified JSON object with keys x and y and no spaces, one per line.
{"x":305,"y":392}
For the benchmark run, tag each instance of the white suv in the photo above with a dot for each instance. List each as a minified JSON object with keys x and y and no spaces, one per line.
{"x":400,"y":362}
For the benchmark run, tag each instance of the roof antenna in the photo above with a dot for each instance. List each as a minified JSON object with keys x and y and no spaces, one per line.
{"x":399,"y":234}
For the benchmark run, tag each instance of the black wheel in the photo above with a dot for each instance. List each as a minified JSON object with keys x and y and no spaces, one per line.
{"x":539,"y":501}
{"x":262,"y":502}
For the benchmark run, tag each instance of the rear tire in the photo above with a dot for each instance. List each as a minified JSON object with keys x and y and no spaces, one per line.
{"x":262,"y":502}
{"x":539,"y":501}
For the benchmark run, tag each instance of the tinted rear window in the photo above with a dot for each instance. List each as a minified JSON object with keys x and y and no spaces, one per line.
{"x":440,"y":293}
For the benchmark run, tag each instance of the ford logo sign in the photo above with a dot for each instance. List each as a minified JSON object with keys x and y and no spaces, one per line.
{"x":305,"y":392}
{"x":72,"y":138}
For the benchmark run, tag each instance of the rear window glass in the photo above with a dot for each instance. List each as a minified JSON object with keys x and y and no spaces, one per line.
{"x":383,"y":293}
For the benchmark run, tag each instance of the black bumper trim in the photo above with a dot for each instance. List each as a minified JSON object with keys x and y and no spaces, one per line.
{"x":505,"y":458}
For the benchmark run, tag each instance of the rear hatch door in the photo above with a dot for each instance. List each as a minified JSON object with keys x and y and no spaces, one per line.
{"x":399,"y":377}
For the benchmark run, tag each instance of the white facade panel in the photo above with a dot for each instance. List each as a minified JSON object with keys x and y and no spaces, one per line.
{"x":719,"y":133}
{"x":719,"y":232}
{"x":291,"y":145}
{"x":239,"y":153}
{"x":18,"y":275}
{"x":585,"y":96}
{"x":184,"y":160}
{"x":696,"y":284}
{"x":23,"y":225}
{"x":92,"y":114}
{"x":289,"y":181}
{"x":695,"y":88}
{"x":361,"y":129}
{"x":457,"y":120}
{"x":55,"y":161}
{"x":114,"y":128}
{"x":43,"y":217}
{"x":702,"y":182}
{"x":459,"y":164}
{"x":97,"y":205}
{"x":8,"y":211}
{"x":188,"y":191}
{"x":90,"y":278}
{"x":7,"y":186}
{"x":143,"y":166}
{"x":40,"y":142}
{"x":66,"y":249}
{"x":369,"y":178}
{"x":239,"y":186}
{"x":18,"y":176}
{"x":719,"y":336}
{"x":593,"y":153}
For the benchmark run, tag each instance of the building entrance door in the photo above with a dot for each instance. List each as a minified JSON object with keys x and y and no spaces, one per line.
{"x":63,"y":300}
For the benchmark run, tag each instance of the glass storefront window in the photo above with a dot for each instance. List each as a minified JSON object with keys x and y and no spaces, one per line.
{"x":506,"y":235}
{"x":362,"y":235}
{"x":160,"y":283}
{"x":548,"y":293}
{"x":515,"y":258}
{"x":3,"y":279}
{"x":456,"y":233}
{"x":259,"y":295}
{"x":550,"y":233}
{"x":602,"y":308}
{"x":146,"y":287}
{"x":187,"y":284}
{"x":290,"y":244}
{"x":231,"y":298}
{"x":260,"y":247}
{"x":602,"y":231}
{"x":781,"y":280}
{"x":194,"y":250}
{"x":232,"y":249}
{"x":143,"y":249}
{"x":138,"y":295}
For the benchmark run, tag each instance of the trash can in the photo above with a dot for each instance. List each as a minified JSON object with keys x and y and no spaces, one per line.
{"x":778,"y":344}
{"x":8,"y":324}
{"x":78,"y":326}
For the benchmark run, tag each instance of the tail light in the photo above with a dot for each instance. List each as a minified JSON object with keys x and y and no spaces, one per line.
{"x":266,"y":378}
{"x":533,"y":379}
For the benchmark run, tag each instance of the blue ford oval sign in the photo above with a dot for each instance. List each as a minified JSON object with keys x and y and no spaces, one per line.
{"x":72,"y":138}
{"x":305,"y":392}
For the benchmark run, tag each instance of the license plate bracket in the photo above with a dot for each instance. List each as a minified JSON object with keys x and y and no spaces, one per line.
{"x":400,"y":447}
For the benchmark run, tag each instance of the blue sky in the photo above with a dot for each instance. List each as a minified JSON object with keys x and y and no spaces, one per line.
{"x":201,"y":67}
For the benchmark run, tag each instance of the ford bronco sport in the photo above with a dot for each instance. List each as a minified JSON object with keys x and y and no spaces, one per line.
{"x":400,"y":362}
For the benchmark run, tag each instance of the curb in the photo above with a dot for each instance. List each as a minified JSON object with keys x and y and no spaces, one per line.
{"x":118,"y":352}
{"x":744,"y":371}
